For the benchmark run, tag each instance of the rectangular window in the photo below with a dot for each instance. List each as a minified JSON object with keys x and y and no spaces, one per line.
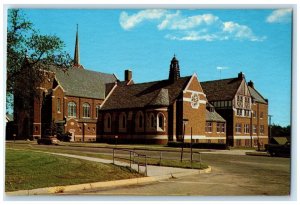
{"x":246,"y":129}
{"x":221,"y":141}
{"x":58,"y":104}
{"x":261,"y":129}
{"x":229,"y":103}
{"x":254,"y":114}
{"x":238,"y":142}
{"x":222,"y":103}
{"x":254,"y":129}
{"x":238,"y":127}
{"x":223,"y":127}
{"x":218,"y":127}
{"x":208,"y":127}
{"x":239,"y":112}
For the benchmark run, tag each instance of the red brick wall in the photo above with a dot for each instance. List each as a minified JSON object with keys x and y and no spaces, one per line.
{"x":195,"y":116}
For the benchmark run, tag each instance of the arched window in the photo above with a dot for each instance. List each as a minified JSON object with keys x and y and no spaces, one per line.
{"x":122,"y":121}
{"x":71,"y":109}
{"x":160,"y":122}
{"x":86,"y":110}
{"x":97,"y":110}
{"x":151,"y":121}
{"x":107,"y":123}
{"x":139,"y":120}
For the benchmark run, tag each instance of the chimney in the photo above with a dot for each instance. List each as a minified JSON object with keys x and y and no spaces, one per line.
{"x":128,"y":75}
{"x":241,"y":75}
{"x":251,"y":84}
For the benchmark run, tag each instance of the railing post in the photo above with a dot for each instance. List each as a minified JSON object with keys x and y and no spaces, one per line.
{"x":145,"y":165}
{"x":113,"y":155}
{"x":130,"y":159}
{"x":138,"y":163}
{"x":160,"y":157}
{"x":199,"y":160}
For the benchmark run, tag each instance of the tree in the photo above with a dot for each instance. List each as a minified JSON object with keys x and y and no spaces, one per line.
{"x":29,"y":55}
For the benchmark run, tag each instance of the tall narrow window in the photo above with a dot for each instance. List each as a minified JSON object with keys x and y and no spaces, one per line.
{"x":161,"y":121}
{"x":238,"y":128}
{"x":72,"y":109}
{"x":122,"y":122}
{"x":139,"y":121}
{"x":254,"y":129}
{"x":58,"y":104}
{"x":107,"y":122}
{"x":86,"y":110}
{"x":208,"y":127}
{"x":97,"y":110}
{"x":152,"y":121}
{"x":246,"y":129}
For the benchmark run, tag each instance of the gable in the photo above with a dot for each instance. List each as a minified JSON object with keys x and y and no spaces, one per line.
{"x":193,"y":84}
{"x":243,"y":89}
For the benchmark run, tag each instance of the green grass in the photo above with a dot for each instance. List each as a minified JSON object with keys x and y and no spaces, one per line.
{"x":27,"y":169}
{"x":150,"y":161}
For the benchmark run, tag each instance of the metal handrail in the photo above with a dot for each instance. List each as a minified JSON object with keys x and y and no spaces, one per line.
{"x":132,"y":156}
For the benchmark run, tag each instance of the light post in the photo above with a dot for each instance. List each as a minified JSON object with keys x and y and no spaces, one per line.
{"x":185,"y":121}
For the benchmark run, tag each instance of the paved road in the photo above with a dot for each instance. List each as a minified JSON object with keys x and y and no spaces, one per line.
{"x":232,"y":174}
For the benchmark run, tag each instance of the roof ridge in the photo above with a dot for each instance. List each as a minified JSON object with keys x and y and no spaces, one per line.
{"x":218,"y":80}
{"x":156,"y":81}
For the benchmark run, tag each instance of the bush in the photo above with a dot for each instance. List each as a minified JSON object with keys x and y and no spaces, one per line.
{"x":65,"y":137}
{"x":199,"y":145}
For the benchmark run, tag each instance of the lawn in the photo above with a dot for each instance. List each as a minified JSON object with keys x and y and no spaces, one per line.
{"x":25,"y":169}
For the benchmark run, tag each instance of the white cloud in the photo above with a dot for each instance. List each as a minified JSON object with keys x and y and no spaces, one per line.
{"x":178,"y":22}
{"x":238,"y":31}
{"x":128,"y":22}
{"x":204,"y":27}
{"x":279,"y":16}
{"x":192,"y":36}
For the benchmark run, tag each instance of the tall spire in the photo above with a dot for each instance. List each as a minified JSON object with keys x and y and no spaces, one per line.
{"x":174,"y":73}
{"x":76,"y":53}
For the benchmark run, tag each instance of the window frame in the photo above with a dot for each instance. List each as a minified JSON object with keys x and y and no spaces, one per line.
{"x":72,"y":108}
{"x":86,"y":110}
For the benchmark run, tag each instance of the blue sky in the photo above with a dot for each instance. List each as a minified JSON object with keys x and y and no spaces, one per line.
{"x":212,"y":43}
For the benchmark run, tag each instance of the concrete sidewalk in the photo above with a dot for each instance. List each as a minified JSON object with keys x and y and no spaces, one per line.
{"x":154,"y":173}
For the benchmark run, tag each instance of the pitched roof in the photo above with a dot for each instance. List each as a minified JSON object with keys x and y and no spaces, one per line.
{"x":214,"y":117}
{"x":157,"y":93}
{"x":256,"y":95}
{"x":221,"y":89}
{"x":83,"y":83}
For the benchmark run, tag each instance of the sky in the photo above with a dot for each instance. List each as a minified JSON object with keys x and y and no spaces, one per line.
{"x":214,"y":44}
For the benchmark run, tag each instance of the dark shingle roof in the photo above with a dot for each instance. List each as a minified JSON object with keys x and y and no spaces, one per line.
{"x":83,"y":83}
{"x":256,"y":95}
{"x":158,"y":93}
{"x":214,"y":117}
{"x":221,"y":89}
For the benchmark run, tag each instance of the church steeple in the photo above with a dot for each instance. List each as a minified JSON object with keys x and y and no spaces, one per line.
{"x":174,"y":73}
{"x":76,"y":52}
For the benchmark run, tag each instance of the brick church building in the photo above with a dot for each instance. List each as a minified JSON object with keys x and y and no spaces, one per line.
{"x":95,"y":106}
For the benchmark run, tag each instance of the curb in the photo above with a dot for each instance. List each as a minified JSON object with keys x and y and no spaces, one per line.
{"x":264,"y":154}
{"x":107,"y":184}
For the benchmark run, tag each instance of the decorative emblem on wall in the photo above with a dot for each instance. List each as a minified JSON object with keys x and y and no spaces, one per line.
{"x":195,"y":100}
